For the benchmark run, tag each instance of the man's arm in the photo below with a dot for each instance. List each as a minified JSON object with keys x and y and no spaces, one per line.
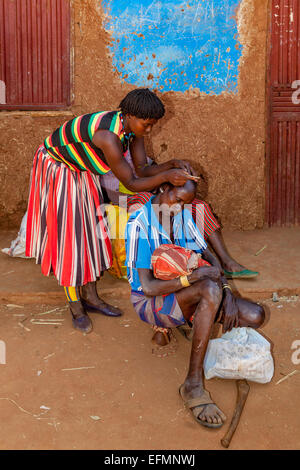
{"x":153,"y":287}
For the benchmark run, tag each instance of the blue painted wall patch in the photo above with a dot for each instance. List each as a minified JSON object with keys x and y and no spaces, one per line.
{"x":174,"y":46}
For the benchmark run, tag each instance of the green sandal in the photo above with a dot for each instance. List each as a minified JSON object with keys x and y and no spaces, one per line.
{"x":244,"y":274}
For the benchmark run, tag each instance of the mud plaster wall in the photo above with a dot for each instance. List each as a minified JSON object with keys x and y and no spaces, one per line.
{"x":223,"y":136}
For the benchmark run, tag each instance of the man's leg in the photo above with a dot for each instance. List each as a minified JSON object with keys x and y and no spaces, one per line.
{"x":216,"y":241}
{"x":203,"y":300}
{"x":211,"y":231}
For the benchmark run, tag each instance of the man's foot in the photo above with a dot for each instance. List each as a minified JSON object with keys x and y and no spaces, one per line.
{"x":233,"y":266}
{"x":229,"y":265}
{"x":234,"y":270}
{"x":204,"y":410}
{"x":80,"y":319}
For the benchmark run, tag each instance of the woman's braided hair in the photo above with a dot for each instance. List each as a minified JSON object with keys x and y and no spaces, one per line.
{"x":143,"y":104}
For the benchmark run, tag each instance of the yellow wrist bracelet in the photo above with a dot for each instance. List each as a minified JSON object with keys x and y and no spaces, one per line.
{"x":184,"y":281}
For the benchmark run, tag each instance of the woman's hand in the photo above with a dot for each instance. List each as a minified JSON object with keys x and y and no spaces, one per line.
{"x":177,"y":177}
{"x":230,"y":309}
{"x":184,"y":165}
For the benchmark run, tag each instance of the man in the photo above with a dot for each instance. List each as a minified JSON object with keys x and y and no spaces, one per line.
{"x":204,"y":294}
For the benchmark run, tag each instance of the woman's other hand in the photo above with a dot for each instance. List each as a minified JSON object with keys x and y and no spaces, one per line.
{"x":185,"y":165}
{"x":177,"y":177}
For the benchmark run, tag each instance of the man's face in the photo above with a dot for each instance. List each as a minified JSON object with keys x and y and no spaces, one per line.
{"x":140,"y":127}
{"x":176,"y":198}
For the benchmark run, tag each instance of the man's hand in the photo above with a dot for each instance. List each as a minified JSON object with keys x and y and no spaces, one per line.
{"x":230,"y":309}
{"x":212,"y":272}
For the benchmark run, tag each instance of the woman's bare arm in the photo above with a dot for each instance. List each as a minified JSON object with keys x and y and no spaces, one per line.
{"x":139,"y":158}
{"x":111,"y":146}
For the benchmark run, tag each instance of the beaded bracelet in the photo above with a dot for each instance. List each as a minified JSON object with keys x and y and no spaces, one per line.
{"x":226,"y":286}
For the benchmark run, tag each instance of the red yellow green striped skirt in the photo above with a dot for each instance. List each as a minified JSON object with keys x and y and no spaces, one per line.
{"x":66,"y":231}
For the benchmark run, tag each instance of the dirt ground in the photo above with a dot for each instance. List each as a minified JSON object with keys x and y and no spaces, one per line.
{"x":119,"y":395}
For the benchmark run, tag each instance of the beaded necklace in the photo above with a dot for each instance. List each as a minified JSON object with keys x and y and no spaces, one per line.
{"x":129,"y":136}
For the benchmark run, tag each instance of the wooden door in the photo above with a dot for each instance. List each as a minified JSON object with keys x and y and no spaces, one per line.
{"x":34,"y":54}
{"x":283,"y":149}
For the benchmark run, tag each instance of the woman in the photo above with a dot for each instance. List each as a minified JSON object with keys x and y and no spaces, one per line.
{"x":203,"y":295}
{"x":66,"y":230}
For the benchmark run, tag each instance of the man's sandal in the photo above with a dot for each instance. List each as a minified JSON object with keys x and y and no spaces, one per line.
{"x":194,"y":405}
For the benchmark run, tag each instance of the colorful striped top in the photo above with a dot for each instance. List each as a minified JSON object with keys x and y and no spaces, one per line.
{"x":72,"y":142}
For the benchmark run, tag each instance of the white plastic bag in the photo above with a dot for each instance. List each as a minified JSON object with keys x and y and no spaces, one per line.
{"x":17,"y":246}
{"x":241,"y":353}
